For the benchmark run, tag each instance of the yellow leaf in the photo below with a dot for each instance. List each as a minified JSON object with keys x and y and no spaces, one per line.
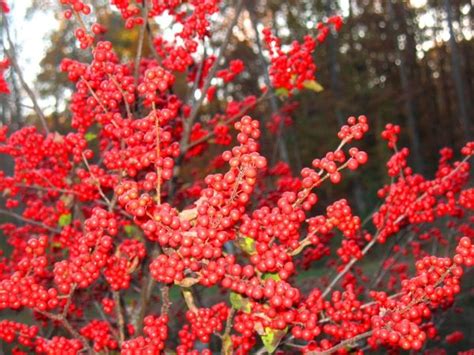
{"x":272,"y":338}
{"x":246,"y":244}
{"x":313,"y":85}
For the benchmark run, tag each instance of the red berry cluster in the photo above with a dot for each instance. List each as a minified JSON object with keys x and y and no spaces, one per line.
{"x":4,"y":64}
{"x":203,"y":323}
{"x":434,"y":286}
{"x":468,"y":149}
{"x":156,"y":79}
{"x":155,"y":332}
{"x":354,"y":129}
{"x":58,"y":345}
{"x":397,"y":164}
{"x":24,"y":334}
{"x":413,"y":199}
{"x":4,"y":7}
{"x":292,"y":69}
{"x":90,"y":255}
{"x":22,"y":289}
{"x":176,"y":57}
{"x":144,"y":143}
{"x":108,"y":305}
{"x":236,"y":66}
{"x":244,"y":341}
{"x":130,"y":13}
{"x":466,"y":198}
{"x":390,"y":134}
{"x":123,"y":263}
{"x":177,"y":54}
{"x":102,"y":86}
{"x":99,"y":332}
{"x":465,"y":252}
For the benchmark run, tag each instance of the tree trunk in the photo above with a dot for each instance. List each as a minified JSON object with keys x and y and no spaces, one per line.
{"x":334,"y":68}
{"x":456,"y":66}
{"x":407,"y":89}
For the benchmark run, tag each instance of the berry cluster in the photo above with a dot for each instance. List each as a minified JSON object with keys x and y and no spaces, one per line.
{"x":24,"y":334}
{"x":155,"y":331}
{"x":292,"y":69}
{"x":58,"y":345}
{"x":4,"y":64}
{"x":413,"y":199}
{"x":99,"y":333}
{"x":203,"y":323}
{"x":156,"y":79}
{"x":390,"y":134}
{"x":89,"y":255}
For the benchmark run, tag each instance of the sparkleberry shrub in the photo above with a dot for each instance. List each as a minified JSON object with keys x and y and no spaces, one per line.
{"x":106,"y":259}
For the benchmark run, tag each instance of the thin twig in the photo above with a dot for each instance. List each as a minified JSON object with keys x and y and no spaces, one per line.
{"x":47,"y":189}
{"x":68,"y":302}
{"x":148,"y":284}
{"x":151,"y":45}
{"x":198,"y":77}
{"x":140,"y":41}
{"x":342,"y":344}
{"x":158,"y":154}
{"x":119,"y":88}
{"x":65,"y":323}
{"x":165,"y":300}
{"x":119,"y":315}
{"x":228,"y":328}
{"x":228,"y":121}
{"x":29,"y":221}
{"x":93,"y":93}
{"x":212,"y":72}
{"x":97,"y":182}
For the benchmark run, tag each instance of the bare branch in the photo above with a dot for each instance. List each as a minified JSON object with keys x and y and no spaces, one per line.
{"x":29,"y":221}
{"x":342,"y":344}
{"x":119,"y":315}
{"x":65,"y":323}
{"x":140,"y":41}
{"x":212,"y":72}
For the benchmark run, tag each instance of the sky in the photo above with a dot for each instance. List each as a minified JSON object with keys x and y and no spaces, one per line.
{"x":30,"y":35}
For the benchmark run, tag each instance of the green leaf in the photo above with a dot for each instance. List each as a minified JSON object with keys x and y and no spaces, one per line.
{"x":275,"y":277}
{"x":56,"y":245}
{"x":272,"y":338}
{"x":130,"y":230}
{"x":247,"y":244}
{"x":65,"y":219}
{"x":282,"y":92}
{"x":227,"y":346}
{"x":235,"y":300}
{"x":313,"y":85}
{"x":239,"y":303}
{"x":90,"y":136}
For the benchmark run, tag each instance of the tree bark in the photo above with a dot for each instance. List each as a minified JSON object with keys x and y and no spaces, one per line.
{"x":456,"y":66}
{"x":407,"y":90}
